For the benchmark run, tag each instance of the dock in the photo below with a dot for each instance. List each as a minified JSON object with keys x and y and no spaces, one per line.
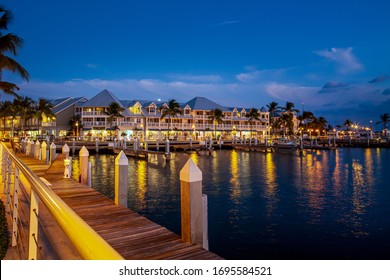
{"x":133,"y":236}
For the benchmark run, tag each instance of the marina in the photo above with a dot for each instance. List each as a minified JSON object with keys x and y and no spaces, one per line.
{"x":329,"y":204}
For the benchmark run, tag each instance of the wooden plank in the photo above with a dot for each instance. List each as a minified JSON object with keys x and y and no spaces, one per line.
{"x":132,"y":235}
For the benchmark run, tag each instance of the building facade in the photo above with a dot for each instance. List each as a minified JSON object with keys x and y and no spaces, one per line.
{"x":143,"y":119}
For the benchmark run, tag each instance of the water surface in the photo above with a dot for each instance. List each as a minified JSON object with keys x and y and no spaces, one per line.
{"x":327,"y":205}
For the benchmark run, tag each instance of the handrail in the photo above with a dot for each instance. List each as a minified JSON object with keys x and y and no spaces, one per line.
{"x":87,"y":241}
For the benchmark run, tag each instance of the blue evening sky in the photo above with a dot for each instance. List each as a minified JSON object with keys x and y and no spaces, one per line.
{"x":329,"y":57}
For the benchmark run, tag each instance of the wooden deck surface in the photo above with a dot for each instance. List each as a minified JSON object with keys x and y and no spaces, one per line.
{"x":132,"y":235}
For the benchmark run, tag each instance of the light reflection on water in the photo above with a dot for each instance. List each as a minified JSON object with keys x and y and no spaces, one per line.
{"x":327,"y":205}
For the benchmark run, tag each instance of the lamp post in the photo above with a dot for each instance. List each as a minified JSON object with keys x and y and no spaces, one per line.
{"x":77,"y":130}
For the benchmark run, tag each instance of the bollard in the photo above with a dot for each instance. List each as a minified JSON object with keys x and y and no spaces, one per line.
{"x":256,"y":141}
{"x":66,"y":150}
{"x":135,"y":145}
{"x":121,"y":179}
{"x":146,"y":145}
{"x":192,"y":216}
{"x":43,"y":151}
{"x":115,"y":142}
{"x":190,"y":142}
{"x":52,"y":152}
{"x":167,"y":151}
{"x":83,"y":154}
{"x":36,"y":149}
{"x":157,"y":146}
{"x":97,"y":145}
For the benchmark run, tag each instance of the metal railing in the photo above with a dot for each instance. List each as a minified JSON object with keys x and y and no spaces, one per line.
{"x":87,"y":242}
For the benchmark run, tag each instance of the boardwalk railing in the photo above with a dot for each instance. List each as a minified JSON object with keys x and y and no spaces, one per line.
{"x":86,"y":241}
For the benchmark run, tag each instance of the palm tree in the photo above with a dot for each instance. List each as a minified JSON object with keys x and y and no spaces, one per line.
{"x":216,"y":117}
{"x":25,"y":107}
{"x":273,"y":108}
{"x":75,"y":124}
{"x":171,"y":110}
{"x":9,"y":43}
{"x":5,"y":109}
{"x":385,"y":118}
{"x":43,"y":108}
{"x":322,"y":123}
{"x":348,"y":124}
{"x":305,"y":118}
{"x":252,"y":115}
{"x":113,"y":111}
{"x":290,"y":107}
{"x":288,"y":123}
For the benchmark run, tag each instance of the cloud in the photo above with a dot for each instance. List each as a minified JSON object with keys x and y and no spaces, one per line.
{"x":334,"y":87}
{"x":196,"y":78}
{"x":380,"y":79}
{"x":225,"y":22}
{"x":92,"y":65}
{"x":386,"y":91}
{"x":345,"y":60}
{"x":256,"y":76}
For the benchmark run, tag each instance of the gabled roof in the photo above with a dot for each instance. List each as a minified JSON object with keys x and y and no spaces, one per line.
{"x":202,"y":103}
{"x":102,"y":99}
{"x":263,"y":110}
{"x":59,"y":101}
{"x":64,"y":105}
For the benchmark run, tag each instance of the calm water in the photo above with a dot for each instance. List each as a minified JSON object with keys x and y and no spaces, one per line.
{"x":327,"y":205}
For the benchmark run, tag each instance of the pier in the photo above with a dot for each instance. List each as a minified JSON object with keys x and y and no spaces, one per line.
{"x":122,"y":232}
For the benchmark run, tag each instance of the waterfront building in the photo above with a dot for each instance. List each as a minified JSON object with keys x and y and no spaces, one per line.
{"x":142,"y":118}
{"x":55,"y":125}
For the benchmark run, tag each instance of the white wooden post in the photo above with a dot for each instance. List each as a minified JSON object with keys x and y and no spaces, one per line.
{"x":89,"y":174}
{"x":97,"y":144}
{"x":66,"y":150}
{"x":44,"y":154}
{"x":167,"y":151}
{"x":121,"y":179}
{"x":192,"y":218}
{"x":52,"y":152}
{"x":37,"y":149}
{"x":83,"y":154}
{"x":15,"y":215}
{"x":33,"y":226}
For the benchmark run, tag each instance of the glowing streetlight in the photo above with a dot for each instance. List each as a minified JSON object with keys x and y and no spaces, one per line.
{"x":77,"y":129}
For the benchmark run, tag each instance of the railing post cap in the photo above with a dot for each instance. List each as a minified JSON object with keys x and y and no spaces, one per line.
{"x":65,"y":148}
{"x":83,"y":152}
{"x":44,"y":145}
{"x":190,"y":172}
{"x":37,"y":143}
{"x":53,"y":145}
{"x":121,"y":159}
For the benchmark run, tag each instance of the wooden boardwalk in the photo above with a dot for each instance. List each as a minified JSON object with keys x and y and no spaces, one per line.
{"x":132,"y":235}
